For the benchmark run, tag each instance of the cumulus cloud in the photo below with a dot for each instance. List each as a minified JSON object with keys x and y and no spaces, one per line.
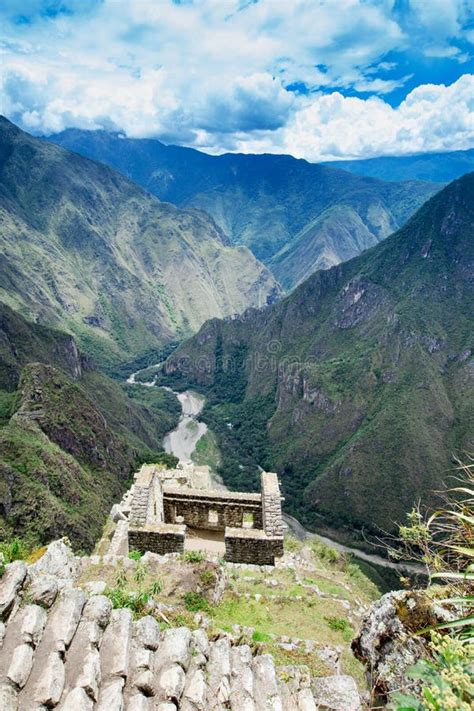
{"x":218,"y":74}
{"x":431,"y":118}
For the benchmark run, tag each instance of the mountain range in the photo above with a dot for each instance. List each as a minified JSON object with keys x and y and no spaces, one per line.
{"x":358,"y":387}
{"x":433,"y":167}
{"x":69,"y":436}
{"x":86,"y":251}
{"x":294,"y":216}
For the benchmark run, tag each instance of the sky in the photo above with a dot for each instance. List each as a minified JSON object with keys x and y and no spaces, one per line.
{"x":319,"y":79}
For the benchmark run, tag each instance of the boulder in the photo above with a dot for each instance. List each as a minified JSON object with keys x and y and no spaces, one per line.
{"x":20,"y":665}
{"x":50,"y":686}
{"x":33,"y":624}
{"x":10,"y":584}
{"x":43,"y":590}
{"x":8,"y":697}
{"x":147,"y":633}
{"x":385,"y":643}
{"x":58,"y":561}
{"x":77,"y":700}
{"x":336,"y":693}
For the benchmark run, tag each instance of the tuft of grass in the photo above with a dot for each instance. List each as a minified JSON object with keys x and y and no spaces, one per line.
{"x":194,"y":556}
{"x":195,"y":602}
{"x":135,"y":555}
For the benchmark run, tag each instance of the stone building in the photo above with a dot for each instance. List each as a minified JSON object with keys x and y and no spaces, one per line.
{"x":164,"y":504}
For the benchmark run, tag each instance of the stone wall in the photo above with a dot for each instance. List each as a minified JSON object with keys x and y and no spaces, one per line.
{"x":147,"y":498}
{"x":271,"y":504}
{"x":211,"y":510}
{"x":160,"y":538}
{"x":252,"y":546}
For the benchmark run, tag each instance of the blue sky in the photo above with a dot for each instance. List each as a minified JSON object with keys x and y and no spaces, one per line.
{"x":320,"y":79}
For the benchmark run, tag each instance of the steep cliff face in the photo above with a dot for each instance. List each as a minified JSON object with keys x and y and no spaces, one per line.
{"x":294,"y":216}
{"x":87,"y":251}
{"x":69,"y":436}
{"x":366,"y":371}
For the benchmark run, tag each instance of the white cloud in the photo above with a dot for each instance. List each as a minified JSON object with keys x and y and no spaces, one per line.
{"x":432,"y":118}
{"x":209,"y":74}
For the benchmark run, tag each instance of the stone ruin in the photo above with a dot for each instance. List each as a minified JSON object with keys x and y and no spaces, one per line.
{"x":162,"y":504}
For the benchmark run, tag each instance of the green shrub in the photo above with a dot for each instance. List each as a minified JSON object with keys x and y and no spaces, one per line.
{"x":16,"y":549}
{"x":446,"y":679}
{"x":195,"y":602}
{"x":135,"y":555}
{"x":194,"y":556}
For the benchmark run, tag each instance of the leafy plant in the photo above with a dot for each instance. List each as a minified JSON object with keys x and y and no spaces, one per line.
{"x":446,"y":679}
{"x":445,"y":543}
{"x":194,"y":556}
{"x":135,"y":555}
{"x":16,"y":549}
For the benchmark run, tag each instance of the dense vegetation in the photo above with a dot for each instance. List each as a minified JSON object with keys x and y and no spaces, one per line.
{"x":294,"y":216}
{"x":365,"y":372}
{"x":69,"y":436}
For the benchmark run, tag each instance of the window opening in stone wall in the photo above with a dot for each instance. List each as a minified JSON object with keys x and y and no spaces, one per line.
{"x":213,"y":516}
{"x":248,"y":521}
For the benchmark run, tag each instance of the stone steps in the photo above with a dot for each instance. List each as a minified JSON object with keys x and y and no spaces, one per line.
{"x":81,"y":655}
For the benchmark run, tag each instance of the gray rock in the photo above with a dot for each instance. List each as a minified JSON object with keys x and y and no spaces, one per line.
{"x":50,"y":686}
{"x":195,"y":692}
{"x":218,"y":673}
{"x":200,"y":642}
{"x":336,"y":693}
{"x":10,"y":584}
{"x":98,"y":609}
{"x":2,"y":633}
{"x":20,"y":665}
{"x":241,"y":681}
{"x":66,"y":616}
{"x":115,"y":647}
{"x":138,"y":702}
{"x":89,"y":679}
{"x":77,"y":700}
{"x":175,"y":648}
{"x":8,"y":697}
{"x":43,"y":590}
{"x":266,"y":689}
{"x":116,"y":514}
{"x":58,"y":561}
{"x":144,"y":682}
{"x":95,"y":587}
{"x":170,"y":683}
{"x":34,"y":621}
{"x":385,"y":645}
{"x":147,"y":632}
{"x":111,"y":696}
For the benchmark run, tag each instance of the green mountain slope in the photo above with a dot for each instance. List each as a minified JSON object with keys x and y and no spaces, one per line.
{"x":273,"y":204}
{"x":86,"y":251}
{"x":69,"y":436}
{"x":359,"y":386}
{"x":436,"y":167}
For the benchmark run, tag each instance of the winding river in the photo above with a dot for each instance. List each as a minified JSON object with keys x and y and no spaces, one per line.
{"x":182,"y":442}
{"x":183,"y":439}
